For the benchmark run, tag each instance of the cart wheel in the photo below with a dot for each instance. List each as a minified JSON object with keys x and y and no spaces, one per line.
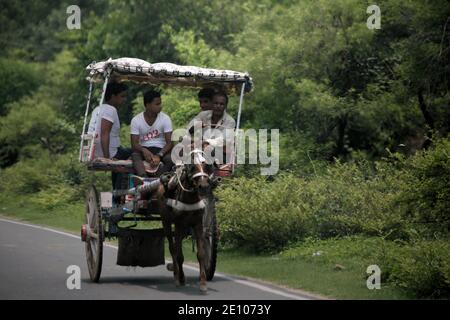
{"x":95,"y":235}
{"x":211,"y":235}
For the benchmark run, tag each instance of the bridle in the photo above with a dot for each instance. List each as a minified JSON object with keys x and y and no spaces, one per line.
{"x":183,"y":169}
{"x":198,"y":159}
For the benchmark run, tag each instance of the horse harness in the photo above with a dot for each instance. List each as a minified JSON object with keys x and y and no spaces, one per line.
{"x":176,"y":180}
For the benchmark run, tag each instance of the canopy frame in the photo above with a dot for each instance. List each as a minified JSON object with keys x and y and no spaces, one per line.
{"x":141,"y":71}
{"x":106,"y":71}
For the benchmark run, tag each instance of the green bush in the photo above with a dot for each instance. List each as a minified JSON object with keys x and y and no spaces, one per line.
{"x":253,"y":215}
{"x":26,"y":177}
{"x":55,"y":195}
{"x":51,"y":181}
{"x":394,"y":198}
{"x":350,"y":199}
{"x":71,"y":180}
{"x":426,"y":195}
{"x":420,"y":266}
{"x":347,"y":199}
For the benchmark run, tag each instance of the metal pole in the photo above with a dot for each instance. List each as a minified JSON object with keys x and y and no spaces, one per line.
{"x":85,"y":116}
{"x":105,"y":84}
{"x":241,"y":100}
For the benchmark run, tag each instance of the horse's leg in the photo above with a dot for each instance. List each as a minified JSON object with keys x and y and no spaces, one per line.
{"x":201,"y":254}
{"x":179,"y":235}
{"x":167,"y":219}
{"x":167,"y":225}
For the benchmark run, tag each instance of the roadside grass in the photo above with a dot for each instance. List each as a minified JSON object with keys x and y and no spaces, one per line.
{"x":68,"y":218}
{"x":293,"y":268}
{"x":298,"y":273}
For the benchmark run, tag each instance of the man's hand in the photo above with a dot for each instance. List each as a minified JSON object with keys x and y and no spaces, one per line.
{"x":156,"y":159}
{"x":148,"y":156}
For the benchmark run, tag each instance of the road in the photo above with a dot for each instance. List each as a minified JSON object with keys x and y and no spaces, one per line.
{"x":34,"y":262}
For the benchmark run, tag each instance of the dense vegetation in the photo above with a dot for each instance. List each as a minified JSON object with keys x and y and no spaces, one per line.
{"x":364,"y":116}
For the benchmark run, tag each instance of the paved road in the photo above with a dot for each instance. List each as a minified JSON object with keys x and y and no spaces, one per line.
{"x":34,"y":260}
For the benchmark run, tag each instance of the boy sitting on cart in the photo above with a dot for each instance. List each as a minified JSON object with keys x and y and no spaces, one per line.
{"x":151,"y":136}
{"x":105,"y":124}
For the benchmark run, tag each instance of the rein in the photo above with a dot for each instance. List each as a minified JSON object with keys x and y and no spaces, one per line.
{"x":181,"y":185}
{"x":198,"y":155}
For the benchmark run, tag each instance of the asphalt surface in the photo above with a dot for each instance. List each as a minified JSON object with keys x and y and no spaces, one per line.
{"x":34,"y":262}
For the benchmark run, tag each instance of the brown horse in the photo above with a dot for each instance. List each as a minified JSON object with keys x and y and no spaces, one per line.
{"x":182,"y":203}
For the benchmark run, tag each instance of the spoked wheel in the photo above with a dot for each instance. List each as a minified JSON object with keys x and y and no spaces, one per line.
{"x":212,"y":236}
{"x":93,"y":235}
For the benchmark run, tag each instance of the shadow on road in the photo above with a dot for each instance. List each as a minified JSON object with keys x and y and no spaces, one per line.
{"x":163,"y":284}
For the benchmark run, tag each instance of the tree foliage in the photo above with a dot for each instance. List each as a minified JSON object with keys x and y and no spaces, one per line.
{"x":364,"y":114}
{"x":315,"y":64}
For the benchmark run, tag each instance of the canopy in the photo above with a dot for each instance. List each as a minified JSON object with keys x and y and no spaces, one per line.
{"x":141,"y":71}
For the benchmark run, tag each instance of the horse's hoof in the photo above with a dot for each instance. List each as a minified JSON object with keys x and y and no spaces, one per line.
{"x":169,"y":266}
{"x":203,"y":288}
{"x":179,"y":283}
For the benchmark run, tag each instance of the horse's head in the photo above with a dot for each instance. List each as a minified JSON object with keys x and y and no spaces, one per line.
{"x":199,"y":173}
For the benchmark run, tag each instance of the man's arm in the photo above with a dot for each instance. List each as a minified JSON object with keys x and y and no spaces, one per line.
{"x":167,"y":130}
{"x":169,"y":143}
{"x":105,"y":130}
{"x":135,"y":145}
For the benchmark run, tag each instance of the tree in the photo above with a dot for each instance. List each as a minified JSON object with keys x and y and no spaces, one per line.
{"x":424,"y":49}
{"x":17,"y":79}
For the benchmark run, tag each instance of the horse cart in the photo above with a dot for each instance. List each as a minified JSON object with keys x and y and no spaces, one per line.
{"x":107,"y":211}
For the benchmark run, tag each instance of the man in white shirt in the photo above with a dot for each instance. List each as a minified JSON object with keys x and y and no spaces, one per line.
{"x":105,"y":121}
{"x":151,"y":135}
{"x":106,"y":125}
{"x":217,"y":118}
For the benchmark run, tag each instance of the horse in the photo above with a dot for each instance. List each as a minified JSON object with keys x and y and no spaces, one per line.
{"x":182,"y":199}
